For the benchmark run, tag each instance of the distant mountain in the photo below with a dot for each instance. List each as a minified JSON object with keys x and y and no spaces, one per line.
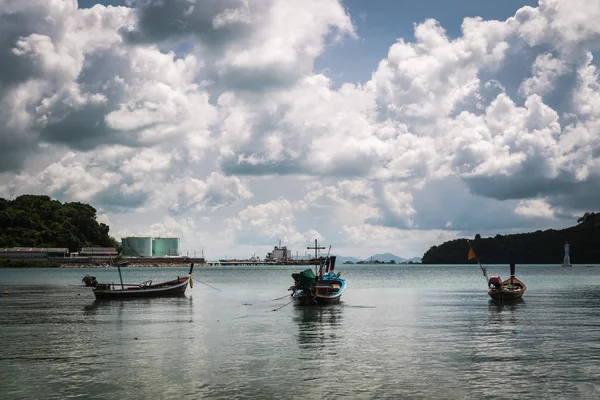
{"x":387,"y":257}
{"x":414,"y":259}
{"x":342,"y":259}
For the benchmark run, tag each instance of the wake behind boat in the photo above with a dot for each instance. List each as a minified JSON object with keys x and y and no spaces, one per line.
{"x":324,"y":287}
{"x":175,"y":287}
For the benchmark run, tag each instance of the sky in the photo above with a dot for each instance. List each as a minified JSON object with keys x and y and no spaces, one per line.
{"x":372,"y":126}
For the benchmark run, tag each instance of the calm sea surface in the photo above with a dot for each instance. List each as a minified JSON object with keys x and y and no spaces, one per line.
{"x":417,"y":332}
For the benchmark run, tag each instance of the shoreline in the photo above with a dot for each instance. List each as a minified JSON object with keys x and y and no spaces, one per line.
{"x":51,"y":264}
{"x":133,"y":265}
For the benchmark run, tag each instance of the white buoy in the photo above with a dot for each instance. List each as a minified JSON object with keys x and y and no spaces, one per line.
{"x":567,"y":259}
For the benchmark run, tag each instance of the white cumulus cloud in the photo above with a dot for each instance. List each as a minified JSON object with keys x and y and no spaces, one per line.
{"x":207,"y":118}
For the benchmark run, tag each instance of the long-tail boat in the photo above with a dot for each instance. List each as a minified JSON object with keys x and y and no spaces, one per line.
{"x":510,"y":289}
{"x":175,"y":287}
{"x":322,"y":287}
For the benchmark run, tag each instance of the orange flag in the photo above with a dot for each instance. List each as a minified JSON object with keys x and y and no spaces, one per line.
{"x":471,"y":254}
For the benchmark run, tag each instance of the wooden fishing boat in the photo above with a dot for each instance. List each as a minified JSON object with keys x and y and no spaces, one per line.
{"x":324,"y":287}
{"x":175,"y":287}
{"x":510,"y":289}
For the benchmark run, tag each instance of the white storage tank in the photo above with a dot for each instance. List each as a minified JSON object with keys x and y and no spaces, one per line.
{"x":136,"y":246}
{"x":165,"y":246}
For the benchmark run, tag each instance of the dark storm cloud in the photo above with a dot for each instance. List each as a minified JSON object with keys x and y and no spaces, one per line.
{"x":297,"y":165}
{"x":447,"y":205}
{"x":567,"y":195}
{"x":14,"y":26}
{"x":14,"y":149}
{"x":79,"y":128}
{"x":85,"y":128}
{"x":252,"y":80}
{"x":188,"y":23}
{"x":160,"y":20}
{"x":389,"y":220}
{"x":82,"y":129}
{"x":560,"y":98}
{"x":15,"y":69}
{"x":578,"y":197}
{"x":521,"y":186}
{"x":113,"y":199}
{"x":515,"y":68}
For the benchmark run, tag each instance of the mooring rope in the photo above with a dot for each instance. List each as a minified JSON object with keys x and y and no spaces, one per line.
{"x":279,"y":308}
{"x":198,"y":280}
{"x":266,"y":301}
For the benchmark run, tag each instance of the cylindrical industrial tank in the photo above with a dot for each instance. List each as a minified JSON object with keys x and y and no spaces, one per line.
{"x":167,"y":246}
{"x":136,"y":246}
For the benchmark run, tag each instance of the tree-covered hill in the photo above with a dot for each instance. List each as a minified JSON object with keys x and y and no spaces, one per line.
{"x":540,"y":247}
{"x":39,"y":221}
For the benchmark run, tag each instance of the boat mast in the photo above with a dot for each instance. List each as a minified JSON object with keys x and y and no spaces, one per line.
{"x":512,"y":272}
{"x":316,"y":254}
{"x":118,"y":268}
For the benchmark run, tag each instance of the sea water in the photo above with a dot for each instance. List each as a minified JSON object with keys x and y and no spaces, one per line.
{"x":407,"y":331}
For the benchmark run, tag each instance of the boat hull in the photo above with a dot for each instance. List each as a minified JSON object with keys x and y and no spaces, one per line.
{"x":317,"y":300}
{"x":321,"y":287}
{"x":175,"y":287}
{"x":505,"y":295}
{"x":321,"y":298}
{"x":511,"y":289}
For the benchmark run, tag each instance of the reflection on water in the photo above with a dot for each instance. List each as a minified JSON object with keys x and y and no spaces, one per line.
{"x":401,"y":332}
{"x":494,"y":340}
{"x":503,"y":315}
{"x":319,"y":327}
{"x":128,"y":310}
{"x":500,"y":327}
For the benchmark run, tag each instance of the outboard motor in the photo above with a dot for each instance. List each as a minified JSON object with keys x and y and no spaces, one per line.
{"x":89,"y":280}
{"x":495,"y":282}
{"x":296,"y":277}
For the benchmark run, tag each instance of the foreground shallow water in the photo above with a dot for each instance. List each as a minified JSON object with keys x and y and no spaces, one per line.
{"x":400,"y":332}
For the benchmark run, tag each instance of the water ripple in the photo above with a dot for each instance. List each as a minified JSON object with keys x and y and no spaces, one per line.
{"x":400,"y":332}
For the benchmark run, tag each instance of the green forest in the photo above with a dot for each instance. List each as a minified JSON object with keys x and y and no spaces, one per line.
{"x":39,"y":221}
{"x":540,"y":247}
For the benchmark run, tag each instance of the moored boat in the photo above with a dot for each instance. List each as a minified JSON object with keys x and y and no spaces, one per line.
{"x":510,"y":289}
{"x":324,"y":287}
{"x":175,"y":287}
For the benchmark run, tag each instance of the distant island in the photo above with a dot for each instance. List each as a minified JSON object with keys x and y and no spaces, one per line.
{"x":381,"y":262}
{"x":38,"y":221}
{"x":540,"y":247}
{"x":385,"y":258}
